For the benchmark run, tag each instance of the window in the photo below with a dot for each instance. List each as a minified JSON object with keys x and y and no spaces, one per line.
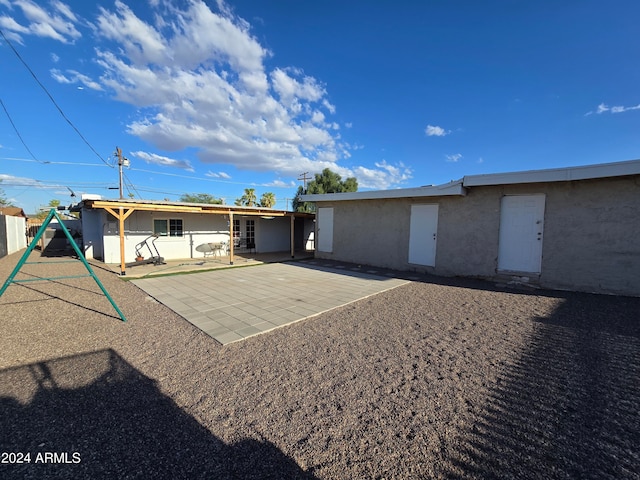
{"x":251,"y":232}
{"x":236,"y":228}
{"x":175,"y":227}
{"x":168,"y":227}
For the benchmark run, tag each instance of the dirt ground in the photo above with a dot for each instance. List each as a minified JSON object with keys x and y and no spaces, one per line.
{"x":440,"y":378}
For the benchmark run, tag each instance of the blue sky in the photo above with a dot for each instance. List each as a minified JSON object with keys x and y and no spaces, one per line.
{"x":214,"y":97}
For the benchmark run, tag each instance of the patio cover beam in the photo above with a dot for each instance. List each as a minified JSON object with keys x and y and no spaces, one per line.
{"x":121,"y":215}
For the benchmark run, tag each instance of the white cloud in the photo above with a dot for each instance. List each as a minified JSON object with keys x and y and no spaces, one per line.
{"x":217,"y":175}
{"x":23,"y":181}
{"x":13,"y":30}
{"x":385,"y":176}
{"x":280,"y":184}
{"x":164,"y":161}
{"x":141,"y":42}
{"x":74,"y":77}
{"x":621,"y":109}
{"x":215,"y":94}
{"x":435,"y":131}
{"x":58,"y":23}
{"x":603,"y":108}
{"x":198,"y":79}
{"x":453,"y":158}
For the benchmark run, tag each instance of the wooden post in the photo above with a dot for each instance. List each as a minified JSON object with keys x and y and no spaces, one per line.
{"x":293,"y":247}
{"x":121,"y":216}
{"x":121,"y":230}
{"x":230,"y":238}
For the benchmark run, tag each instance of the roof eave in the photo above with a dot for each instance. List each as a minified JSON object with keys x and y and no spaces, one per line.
{"x":567,"y":174}
{"x":448,"y":189}
{"x":183,"y":207}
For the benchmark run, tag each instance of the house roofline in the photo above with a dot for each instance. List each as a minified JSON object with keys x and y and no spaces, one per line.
{"x":459,"y":187}
{"x":185,"y":207}
{"x":452,"y":188}
{"x":566,"y":174}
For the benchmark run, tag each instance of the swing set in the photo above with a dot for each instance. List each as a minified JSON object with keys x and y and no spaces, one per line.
{"x":54,"y":214}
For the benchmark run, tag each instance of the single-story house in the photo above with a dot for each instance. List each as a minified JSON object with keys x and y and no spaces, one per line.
{"x":114,"y":230}
{"x":574,"y":228}
{"x":13,"y":212}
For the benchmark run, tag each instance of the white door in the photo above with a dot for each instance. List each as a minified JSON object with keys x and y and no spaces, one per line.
{"x":521,"y":230}
{"x":325,"y":229}
{"x":423,"y":230}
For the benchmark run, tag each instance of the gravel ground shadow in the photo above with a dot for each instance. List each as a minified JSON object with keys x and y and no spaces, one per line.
{"x":104,"y":419}
{"x":569,"y":406}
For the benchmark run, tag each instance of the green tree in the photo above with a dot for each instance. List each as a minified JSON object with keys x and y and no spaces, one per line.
{"x":268,"y":200}
{"x":248,"y":199}
{"x":300,"y":206}
{"x":200,"y":198}
{"x":43,"y":212}
{"x":4,"y":201}
{"x":325,"y":182}
{"x":331,"y":182}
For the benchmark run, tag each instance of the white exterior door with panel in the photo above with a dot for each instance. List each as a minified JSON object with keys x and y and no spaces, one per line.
{"x":325,"y":229}
{"x":423,"y":230}
{"x":521,"y":231}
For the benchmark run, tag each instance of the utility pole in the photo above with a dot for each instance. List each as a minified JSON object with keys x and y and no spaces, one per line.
{"x":304,"y":178}
{"x":121,"y":161}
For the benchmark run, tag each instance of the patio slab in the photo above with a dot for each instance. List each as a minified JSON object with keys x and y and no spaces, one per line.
{"x":233,"y":304}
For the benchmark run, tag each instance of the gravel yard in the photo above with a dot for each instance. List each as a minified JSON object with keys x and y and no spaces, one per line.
{"x":439,"y":378}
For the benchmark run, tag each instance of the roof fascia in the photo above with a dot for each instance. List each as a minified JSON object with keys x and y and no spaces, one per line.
{"x":185,"y":208}
{"x":586,"y":172}
{"x":448,"y":189}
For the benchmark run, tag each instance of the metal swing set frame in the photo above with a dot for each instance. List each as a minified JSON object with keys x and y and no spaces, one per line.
{"x":23,"y":260}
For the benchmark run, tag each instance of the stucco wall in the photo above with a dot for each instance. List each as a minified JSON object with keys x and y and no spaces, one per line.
{"x":102,"y":236}
{"x":273,"y":235}
{"x":376,"y":232}
{"x":197,"y":229}
{"x":591,"y":236}
{"x":93,"y":222}
{"x":370,"y":232}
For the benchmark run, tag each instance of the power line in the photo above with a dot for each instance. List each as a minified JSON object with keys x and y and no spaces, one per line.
{"x":47,"y":162}
{"x":129,"y":183}
{"x":18,"y":133}
{"x":304,"y":178}
{"x":63,"y":184}
{"x":51,"y":98}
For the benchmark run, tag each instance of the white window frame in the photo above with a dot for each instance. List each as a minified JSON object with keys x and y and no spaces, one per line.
{"x":168,"y":230}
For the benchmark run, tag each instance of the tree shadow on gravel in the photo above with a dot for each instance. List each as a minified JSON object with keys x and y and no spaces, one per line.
{"x":569,"y":406}
{"x":96,"y":416}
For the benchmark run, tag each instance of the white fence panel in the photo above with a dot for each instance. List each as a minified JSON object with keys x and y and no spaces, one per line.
{"x":14,"y":238}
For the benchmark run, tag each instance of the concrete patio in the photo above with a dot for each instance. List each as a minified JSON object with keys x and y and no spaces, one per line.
{"x":204,"y":263}
{"x":236,"y":303}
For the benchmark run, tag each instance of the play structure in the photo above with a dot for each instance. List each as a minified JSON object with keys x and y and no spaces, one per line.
{"x":23,"y":260}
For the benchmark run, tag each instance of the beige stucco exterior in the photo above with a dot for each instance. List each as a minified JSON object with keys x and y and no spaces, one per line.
{"x":591,"y":236}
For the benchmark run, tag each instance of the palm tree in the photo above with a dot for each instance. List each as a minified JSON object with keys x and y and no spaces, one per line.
{"x":268,"y":200}
{"x":249,"y":197}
